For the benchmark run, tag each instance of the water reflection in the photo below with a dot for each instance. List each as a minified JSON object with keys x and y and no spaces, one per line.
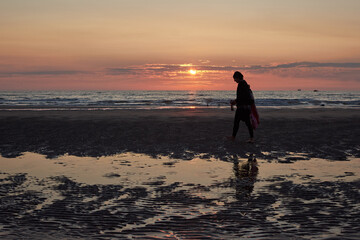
{"x":245,"y":177}
{"x":136,"y":196}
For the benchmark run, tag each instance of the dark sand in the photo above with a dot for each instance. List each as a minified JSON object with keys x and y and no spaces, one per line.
{"x":325,"y":133}
{"x":170,"y":174}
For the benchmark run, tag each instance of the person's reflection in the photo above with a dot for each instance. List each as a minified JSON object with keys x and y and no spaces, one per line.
{"x":245,"y":177}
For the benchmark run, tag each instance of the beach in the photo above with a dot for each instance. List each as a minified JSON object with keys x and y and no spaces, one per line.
{"x":180,"y":133}
{"x":116,"y":120}
{"x":172,"y":174}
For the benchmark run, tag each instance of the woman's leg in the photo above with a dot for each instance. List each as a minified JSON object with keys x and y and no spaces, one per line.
{"x":236,"y":123}
{"x":249,"y":126}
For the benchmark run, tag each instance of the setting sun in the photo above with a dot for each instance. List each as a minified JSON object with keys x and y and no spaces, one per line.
{"x":192,"y":72}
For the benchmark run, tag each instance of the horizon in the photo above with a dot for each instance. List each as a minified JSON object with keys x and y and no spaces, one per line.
{"x":178,"y":90}
{"x":188,"y":45}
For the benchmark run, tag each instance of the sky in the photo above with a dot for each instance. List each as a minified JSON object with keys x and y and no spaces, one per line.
{"x":179,"y":45}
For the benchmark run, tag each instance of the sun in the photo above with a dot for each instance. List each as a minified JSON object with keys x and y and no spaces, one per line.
{"x":192,"y":72}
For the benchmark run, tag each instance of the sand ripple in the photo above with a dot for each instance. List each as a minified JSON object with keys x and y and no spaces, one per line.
{"x":146,"y":200}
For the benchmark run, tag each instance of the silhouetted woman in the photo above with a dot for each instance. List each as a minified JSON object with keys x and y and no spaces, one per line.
{"x":244,"y":100}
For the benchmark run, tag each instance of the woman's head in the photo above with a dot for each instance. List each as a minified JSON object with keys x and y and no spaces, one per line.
{"x":238,"y":76}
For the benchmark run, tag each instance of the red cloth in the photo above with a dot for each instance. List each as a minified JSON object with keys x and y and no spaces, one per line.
{"x":254,"y":117}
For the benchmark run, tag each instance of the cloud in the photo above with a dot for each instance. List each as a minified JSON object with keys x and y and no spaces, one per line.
{"x":348,"y":71}
{"x":41,"y":73}
{"x":121,"y":71}
{"x":330,"y":70}
{"x":151,"y":69}
{"x":308,"y":65}
{"x":161,"y":68}
{"x":204,"y":61}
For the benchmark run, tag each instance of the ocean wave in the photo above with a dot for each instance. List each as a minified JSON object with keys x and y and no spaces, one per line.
{"x":174,"y":99}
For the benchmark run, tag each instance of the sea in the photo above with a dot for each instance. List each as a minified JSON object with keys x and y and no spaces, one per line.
{"x":108,"y":100}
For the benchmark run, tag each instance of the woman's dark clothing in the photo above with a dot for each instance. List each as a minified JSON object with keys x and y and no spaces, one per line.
{"x":243,"y":94}
{"x":244,"y":99}
{"x":243,"y":115}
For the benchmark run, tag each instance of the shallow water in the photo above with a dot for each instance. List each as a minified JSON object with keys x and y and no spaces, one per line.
{"x":136,"y":196}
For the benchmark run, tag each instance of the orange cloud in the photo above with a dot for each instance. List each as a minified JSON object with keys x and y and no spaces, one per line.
{"x":305,"y":75}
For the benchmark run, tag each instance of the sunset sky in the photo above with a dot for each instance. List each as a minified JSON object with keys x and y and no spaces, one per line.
{"x":179,"y":45}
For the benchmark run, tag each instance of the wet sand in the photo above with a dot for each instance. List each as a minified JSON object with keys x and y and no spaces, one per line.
{"x":135,"y":196}
{"x":170,"y":174}
{"x":180,"y":133}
